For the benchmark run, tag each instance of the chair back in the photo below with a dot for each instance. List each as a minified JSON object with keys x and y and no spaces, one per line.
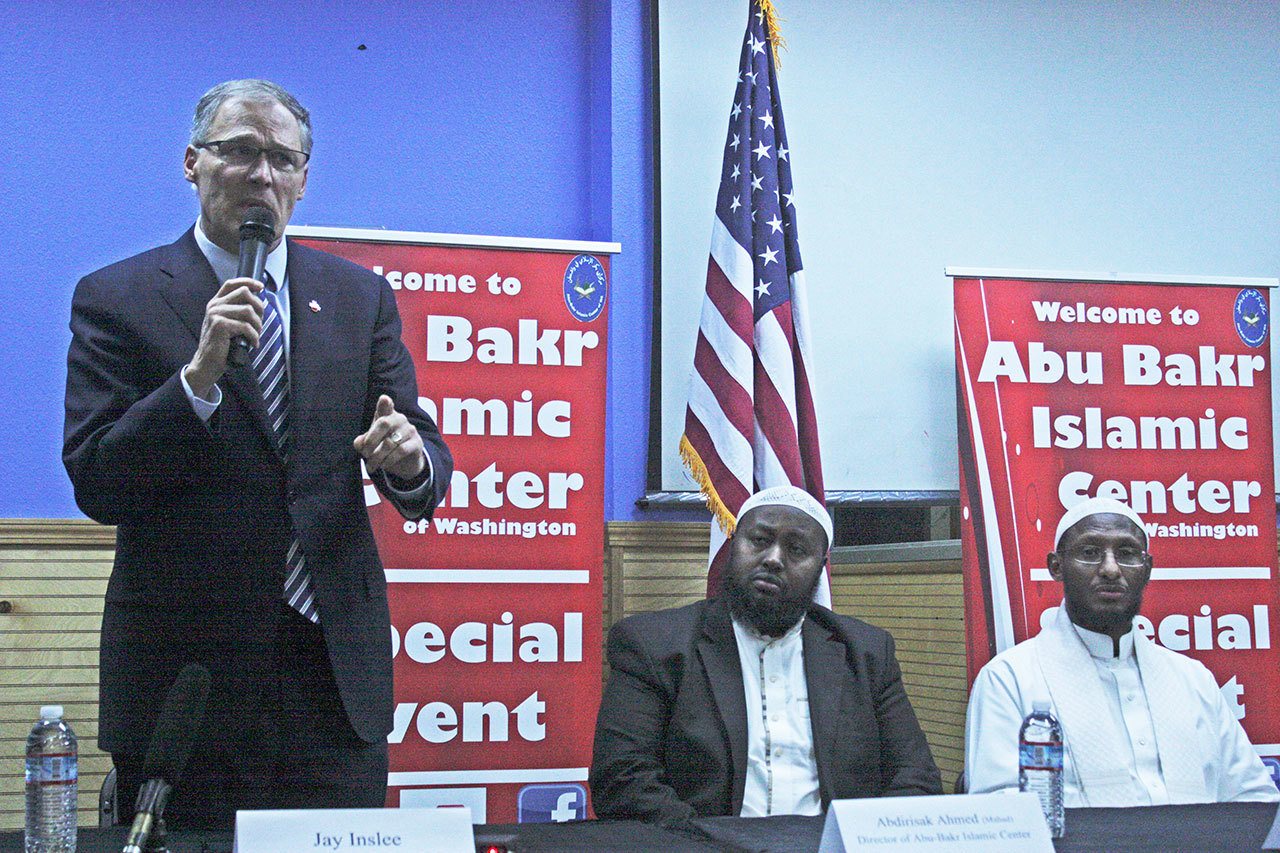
{"x":108,"y":808}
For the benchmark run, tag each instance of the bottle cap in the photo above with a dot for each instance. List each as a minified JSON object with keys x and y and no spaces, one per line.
{"x":1040,"y":706}
{"x":51,"y":712}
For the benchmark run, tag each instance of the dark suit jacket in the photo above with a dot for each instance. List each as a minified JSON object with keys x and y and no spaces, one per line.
{"x":671,"y":737}
{"x":204,"y":512}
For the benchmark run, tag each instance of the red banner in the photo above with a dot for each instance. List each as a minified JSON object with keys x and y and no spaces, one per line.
{"x":1156,"y":394}
{"x":495,"y":602}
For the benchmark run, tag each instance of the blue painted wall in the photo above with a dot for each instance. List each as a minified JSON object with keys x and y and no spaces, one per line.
{"x":491,"y":117}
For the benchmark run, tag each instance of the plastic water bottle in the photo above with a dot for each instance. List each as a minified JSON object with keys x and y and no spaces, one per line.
{"x":52,"y":774}
{"x":1040,"y":763}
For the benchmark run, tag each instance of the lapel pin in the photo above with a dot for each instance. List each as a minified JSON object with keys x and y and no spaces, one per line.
{"x":314,"y":306}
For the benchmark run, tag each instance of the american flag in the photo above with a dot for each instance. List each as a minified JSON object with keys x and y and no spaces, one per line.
{"x":750,"y":423}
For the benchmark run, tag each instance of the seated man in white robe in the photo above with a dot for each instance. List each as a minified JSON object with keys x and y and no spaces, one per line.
{"x":1142,"y":725}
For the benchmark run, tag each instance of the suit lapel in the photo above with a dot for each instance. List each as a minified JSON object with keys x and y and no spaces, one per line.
{"x":313,"y":337}
{"x":306,"y":285}
{"x":824,"y":662}
{"x":193,"y":283}
{"x":718,"y":651}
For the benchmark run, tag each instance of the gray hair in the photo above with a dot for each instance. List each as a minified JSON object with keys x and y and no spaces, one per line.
{"x":249,"y":90}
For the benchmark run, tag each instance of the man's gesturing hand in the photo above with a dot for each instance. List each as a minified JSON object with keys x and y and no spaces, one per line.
{"x":235,"y":311}
{"x":392,"y":444}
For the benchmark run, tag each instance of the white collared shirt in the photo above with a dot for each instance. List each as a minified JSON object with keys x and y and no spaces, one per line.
{"x":782,"y":769}
{"x":1128,"y":707}
{"x":225,"y":265}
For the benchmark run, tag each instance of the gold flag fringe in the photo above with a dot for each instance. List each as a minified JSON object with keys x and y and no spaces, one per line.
{"x":771,"y":20}
{"x":699,"y":472}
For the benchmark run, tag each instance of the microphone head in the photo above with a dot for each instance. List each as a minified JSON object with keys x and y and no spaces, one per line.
{"x":178,"y":724}
{"x":258,"y":223}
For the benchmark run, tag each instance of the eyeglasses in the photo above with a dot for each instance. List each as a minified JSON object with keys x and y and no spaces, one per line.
{"x":243,"y":155}
{"x":1092,"y":555}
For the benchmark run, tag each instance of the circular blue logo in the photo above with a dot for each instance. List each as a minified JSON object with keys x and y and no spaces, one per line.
{"x":1251,"y":317}
{"x":585,"y":287}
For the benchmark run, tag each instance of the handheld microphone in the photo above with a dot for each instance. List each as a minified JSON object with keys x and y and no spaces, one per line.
{"x":169,"y":750}
{"x":257,"y":230}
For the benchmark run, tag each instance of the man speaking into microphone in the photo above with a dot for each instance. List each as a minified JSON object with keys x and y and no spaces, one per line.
{"x":242,"y":539}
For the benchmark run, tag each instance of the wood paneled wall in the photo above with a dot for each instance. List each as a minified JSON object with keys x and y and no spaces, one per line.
{"x":922,"y":605}
{"x":53,"y":575}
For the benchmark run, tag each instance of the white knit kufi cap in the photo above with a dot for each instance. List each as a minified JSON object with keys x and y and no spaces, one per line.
{"x":1096,"y":506}
{"x":795,"y":497}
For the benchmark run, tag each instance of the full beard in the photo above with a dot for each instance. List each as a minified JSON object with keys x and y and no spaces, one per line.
{"x":772,"y":616}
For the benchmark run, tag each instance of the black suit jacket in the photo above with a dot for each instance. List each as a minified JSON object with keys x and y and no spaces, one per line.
{"x":204,"y":512}
{"x":671,"y":736}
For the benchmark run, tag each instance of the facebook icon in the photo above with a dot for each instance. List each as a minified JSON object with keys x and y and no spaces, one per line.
{"x":551,"y":803}
{"x":1273,"y":768}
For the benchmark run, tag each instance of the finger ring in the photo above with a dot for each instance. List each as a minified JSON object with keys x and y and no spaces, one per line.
{"x":395,"y":437}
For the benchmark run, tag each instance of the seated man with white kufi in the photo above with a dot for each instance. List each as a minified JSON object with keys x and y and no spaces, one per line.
{"x":759,"y":701}
{"x":1142,"y":725}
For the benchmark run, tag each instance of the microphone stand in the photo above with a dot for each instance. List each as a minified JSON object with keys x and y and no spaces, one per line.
{"x":159,"y":840}
{"x":148,"y":834}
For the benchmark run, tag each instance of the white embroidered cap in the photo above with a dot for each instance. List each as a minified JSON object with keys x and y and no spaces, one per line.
{"x":792,"y":496}
{"x":1096,"y":506}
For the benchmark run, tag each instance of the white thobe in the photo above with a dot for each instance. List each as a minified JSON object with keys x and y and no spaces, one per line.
{"x":1148,"y":728}
{"x":782,"y":769}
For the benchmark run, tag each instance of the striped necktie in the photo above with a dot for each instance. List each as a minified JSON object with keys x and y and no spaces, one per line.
{"x":272,"y":371}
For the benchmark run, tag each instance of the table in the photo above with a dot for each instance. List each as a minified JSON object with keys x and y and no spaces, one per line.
{"x":1211,"y":827}
{"x":594,"y":836}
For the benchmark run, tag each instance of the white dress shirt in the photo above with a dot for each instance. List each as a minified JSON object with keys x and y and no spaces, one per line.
{"x":782,"y":770}
{"x":225,"y":265}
